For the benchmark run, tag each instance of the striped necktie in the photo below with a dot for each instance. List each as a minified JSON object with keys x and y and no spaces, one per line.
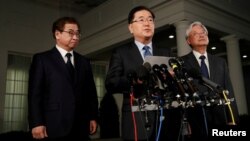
{"x":147,"y":51}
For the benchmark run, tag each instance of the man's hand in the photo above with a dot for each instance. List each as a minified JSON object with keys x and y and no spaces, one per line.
{"x":39,"y":132}
{"x":93,"y":126}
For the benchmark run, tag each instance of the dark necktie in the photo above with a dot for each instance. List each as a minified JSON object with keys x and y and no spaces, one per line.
{"x":147,"y":51}
{"x":70,"y":65}
{"x":204,"y":69}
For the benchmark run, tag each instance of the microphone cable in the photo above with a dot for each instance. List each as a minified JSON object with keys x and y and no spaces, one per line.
{"x":161,"y":121}
{"x":133,"y":114}
{"x":228,"y":103}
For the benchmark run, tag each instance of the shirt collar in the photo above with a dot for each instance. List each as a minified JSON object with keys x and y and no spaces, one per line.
{"x":63,"y":52}
{"x":197,"y":54}
{"x":141,"y":45}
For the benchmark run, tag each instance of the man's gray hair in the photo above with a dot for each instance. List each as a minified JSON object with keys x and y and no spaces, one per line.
{"x":189,"y":29}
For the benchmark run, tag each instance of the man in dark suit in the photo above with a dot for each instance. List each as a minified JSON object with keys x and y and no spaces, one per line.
{"x":215,"y":116}
{"x":62,"y":100}
{"x":126,"y":60}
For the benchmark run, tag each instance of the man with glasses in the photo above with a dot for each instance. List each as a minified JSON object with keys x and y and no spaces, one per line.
{"x":62,"y":98}
{"x":205,"y":118}
{"x":128,"y":59}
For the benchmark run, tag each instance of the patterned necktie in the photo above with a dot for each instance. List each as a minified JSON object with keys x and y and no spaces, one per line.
{"x":147,"y":51}
{"x":70,"y":65}
{"x":204,"y":69}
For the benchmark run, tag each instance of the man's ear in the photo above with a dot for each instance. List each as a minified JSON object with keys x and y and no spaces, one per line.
{"x":188,"y":42}
{"x":57,"y":34}
{"x":130,"y":28}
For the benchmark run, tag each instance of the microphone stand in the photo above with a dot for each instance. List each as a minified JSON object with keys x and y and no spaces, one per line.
{"x":185,"y":129}
{"x":132,"y":113}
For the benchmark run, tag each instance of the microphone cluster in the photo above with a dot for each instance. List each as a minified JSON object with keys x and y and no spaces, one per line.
{"x":174,"y":86}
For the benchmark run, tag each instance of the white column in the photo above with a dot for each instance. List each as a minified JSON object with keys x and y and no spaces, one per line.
{"x":182,"y":47}
{"x":235,"y":71}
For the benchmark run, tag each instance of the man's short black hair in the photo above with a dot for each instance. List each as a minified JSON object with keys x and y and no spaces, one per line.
{"x":136,"y":9}
{"x":60,"y":23}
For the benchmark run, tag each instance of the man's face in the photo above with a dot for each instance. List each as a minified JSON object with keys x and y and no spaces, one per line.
{"x":142,"y":26}
{"x":198,"y":37}
{"x":69,"y":37}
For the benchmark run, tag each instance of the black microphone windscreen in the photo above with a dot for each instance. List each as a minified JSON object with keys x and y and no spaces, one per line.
{"x":142,"y":72}
{"x":180,"y":61}
{"x":173,"y":63}
{"x":156,"y":68}
{"x":147,"y":66}
{"x":164,"y":68}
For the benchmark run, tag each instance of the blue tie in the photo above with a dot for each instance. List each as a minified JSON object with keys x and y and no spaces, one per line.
{"x":147,"y":51}
{"x":204,"y":69}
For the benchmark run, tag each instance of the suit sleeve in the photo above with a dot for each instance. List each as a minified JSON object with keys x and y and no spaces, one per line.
{"x":35,"y":90}
{"x":116,"y":81}
{"x":92,"y":94}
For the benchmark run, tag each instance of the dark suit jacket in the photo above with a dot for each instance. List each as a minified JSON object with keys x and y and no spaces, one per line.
{"x":123,"y":61}
{"x":57,"y":101}
{"x":220,"y":75}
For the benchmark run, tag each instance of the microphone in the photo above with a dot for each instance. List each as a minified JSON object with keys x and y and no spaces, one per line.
{"x":172,"y":85}
{"x":164,"y":69}
{"x":168,"y":77}
{"x":191,"y":87}
{"x":178,"y":77}
{"x":195,"y":73}
{"x":142,"y":73}
{"x":147,"y":66}
{"x":149,"y":82}
{"x":188,"y":81}
{"x":176,"y":67}
{"x":180,"y":61}
{"x":157,"y":70}
{"x":173,"y":63}
{"x":152,"y":78}
{"x":187,"y":78}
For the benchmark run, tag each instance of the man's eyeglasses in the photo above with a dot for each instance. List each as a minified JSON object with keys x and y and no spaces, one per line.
{"x":72,"y":33}
{"x":196,"y":34}
{"x":143,"y":20}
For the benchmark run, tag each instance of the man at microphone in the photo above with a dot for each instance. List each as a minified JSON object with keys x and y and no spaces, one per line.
{"x":202,"y":119}
{"x":141,"y":25}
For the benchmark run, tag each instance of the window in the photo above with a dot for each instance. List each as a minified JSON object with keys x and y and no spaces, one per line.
{"x":99,"y":72}
{"x":15,"y":106}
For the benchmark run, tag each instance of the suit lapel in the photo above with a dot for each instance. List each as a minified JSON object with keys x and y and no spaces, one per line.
{"x":58,"y":57}
{"x":77,"y":66}
{"x":59,"y":60}
{"x":211,"y":63}
{"x":191,"y":59}
{"x":136,"y":54}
